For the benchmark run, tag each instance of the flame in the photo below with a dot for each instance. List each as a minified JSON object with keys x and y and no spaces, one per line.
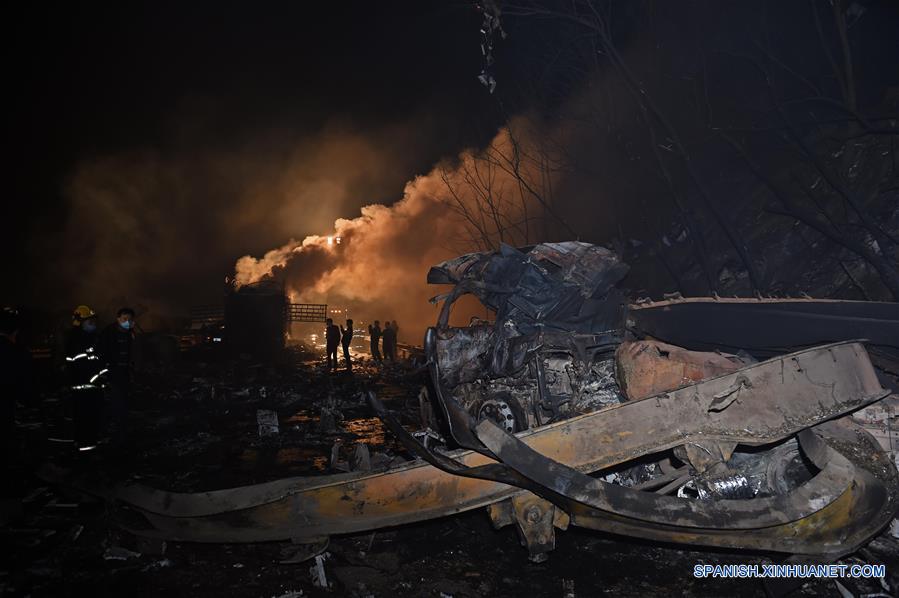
{"x":385,"y":252}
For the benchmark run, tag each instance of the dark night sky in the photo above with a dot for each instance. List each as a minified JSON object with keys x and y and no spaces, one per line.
{"x":192,"y":77}
{"x":96,"y":79}
{"x":106,"y":77}
{"x":204,"y":118}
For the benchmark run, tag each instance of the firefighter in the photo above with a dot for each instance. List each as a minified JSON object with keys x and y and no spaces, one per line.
{"x":85,"y":372}
{"x":115,"y":347}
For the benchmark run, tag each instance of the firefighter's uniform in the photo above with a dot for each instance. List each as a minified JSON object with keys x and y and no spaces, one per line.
{"x":85,"y":372}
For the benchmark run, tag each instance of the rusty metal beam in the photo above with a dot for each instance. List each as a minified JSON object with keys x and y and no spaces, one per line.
{"x":787,"y":395}
{"x":839,"y":528}
{"x":816,"y":518}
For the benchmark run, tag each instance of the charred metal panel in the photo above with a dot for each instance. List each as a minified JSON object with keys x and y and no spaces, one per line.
{"x":464,"y":353}
{"x":646,"y":368}
{"x":765,"y":325}
{"x":567,"y":286}
{"x":821,"y":384}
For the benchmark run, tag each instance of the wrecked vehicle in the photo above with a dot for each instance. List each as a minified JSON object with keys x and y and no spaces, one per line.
{"x":710,"y":422}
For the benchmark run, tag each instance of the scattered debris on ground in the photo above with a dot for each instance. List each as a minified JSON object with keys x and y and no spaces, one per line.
{"x":310,"y":470}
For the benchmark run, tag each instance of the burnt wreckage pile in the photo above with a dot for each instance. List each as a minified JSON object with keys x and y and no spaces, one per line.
{"x":712,"y":422}
{"x":550,"y":353}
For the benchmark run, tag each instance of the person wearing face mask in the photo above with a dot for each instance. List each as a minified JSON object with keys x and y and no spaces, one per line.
{"x":85,"y":371}
{"x":115,"y":347}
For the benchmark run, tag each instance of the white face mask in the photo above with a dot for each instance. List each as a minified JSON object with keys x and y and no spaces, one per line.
{"x":126,"y":324}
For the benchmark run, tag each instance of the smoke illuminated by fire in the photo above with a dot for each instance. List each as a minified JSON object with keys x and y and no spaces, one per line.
{"x":377,"y":262}
{"x":159,"y":230}
{"x":378,"y":269}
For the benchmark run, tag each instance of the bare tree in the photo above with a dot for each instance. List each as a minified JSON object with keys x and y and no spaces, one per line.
{"x":593,"y":17}
{"x":504,"y":192}
{"x":841,"y":158}
{"x":841,"y":168}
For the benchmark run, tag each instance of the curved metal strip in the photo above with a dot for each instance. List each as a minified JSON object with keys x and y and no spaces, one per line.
{"x":821,"y":490}
{"x":496,"y":472}
{"x":835,"y":530}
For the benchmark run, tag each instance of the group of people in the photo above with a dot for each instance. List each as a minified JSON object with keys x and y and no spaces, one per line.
{"x":97,"y":362}
{"x":98,"y":365}
{"x":388,"y":334}
{"x":337,"y":336}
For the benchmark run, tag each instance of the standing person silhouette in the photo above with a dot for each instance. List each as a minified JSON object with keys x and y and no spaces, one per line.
{"x":115,"y":346}
{"x":389,"y":342}
{"x":396,"y":336}
{"x":375,"y":333}
{"x":332,"y":341}
{"x":346,"y":336}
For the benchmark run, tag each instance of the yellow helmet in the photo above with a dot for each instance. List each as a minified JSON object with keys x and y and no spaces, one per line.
{"x":82,"y":312}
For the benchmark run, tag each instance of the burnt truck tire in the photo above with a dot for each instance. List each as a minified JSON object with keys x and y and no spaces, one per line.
{"x":502,"y":409}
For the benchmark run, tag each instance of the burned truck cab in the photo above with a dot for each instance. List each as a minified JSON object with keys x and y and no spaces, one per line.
{"x":549,"y":354}
{"x":682,"y":395}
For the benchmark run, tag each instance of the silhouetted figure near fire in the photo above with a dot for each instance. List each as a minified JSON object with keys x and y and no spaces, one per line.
{"x":346,"y":336}
{"x":389,"y":342}
{"x":115,"y":346}
{"x":332,"y":341}
{"x":375,"y":333}
{"x":84,"y":369}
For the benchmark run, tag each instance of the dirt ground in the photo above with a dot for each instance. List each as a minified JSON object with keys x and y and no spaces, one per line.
{"x":194,"y":428}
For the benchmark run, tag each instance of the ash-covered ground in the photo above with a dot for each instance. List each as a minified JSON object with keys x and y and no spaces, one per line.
{"x":195,"y":427}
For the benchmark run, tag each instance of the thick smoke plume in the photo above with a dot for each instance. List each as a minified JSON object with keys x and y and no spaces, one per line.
{"x":161,"y":227}
{"x":376,"y":264}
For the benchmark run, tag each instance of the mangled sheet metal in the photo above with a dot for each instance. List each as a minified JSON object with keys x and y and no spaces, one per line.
{"x":555,"y":347}
{"x":562,"y":412}
{"x":556,"y":299}
{"x":567,"y":287}
{"x":648,"y":367}
{"x":305,"y":509}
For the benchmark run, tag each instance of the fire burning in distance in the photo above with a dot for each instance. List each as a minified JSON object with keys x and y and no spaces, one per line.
{"x":157,"y":230}
{"x":377,"y":262}
{"x":379,"y":267}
